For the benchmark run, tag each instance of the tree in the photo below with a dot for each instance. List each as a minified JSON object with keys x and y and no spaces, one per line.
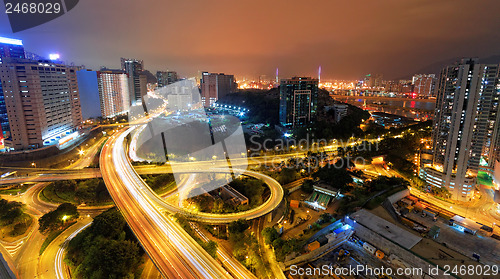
{"x":287,"y":175}
{"x":270,"y":234}
{"x":108,"y":224}
{"x":10,"y":212}
{"x":211,"y":248}
{"x":55,"y":219}
{"x":337,"y":177}
{"x":307,"y":186}
{"x":106,"y":249}
{"x":238,"y":226}
{"x":326,"y":217}
{"x":440,"y":192}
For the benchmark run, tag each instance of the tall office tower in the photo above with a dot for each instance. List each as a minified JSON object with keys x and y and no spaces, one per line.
{"x":405,"y":87}
{"x":113,"y":92}
{"x":76,"y":108}
{"x":495,"y":148}
{"x":298,"y":101}
{"x":373,"y":80}
{"x":215,"y":86}
{"x":38,"y":97}
{"x":465,"y":120}
{"x":423,"y":84}
{"x":11,"y":48}
{"x":166,"y":78}
{"x":137,"y":81}
{"x":8,"y":48}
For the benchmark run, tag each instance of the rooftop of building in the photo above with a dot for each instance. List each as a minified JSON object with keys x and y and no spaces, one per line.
{"x":296,"y":78}
{"x":385,"y":228}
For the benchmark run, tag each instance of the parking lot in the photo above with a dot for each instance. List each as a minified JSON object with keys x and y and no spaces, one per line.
{"x":466,"y":244}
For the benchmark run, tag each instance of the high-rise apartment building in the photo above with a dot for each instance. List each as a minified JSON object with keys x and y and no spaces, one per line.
{"x":373,"y":80}
{"x":166,"y":78}
{"x":298,"y":101}
{"x":215,"y":86}
{"x":113,"y":92}
{"x":423,"y":84}
{"x":465,"y":128}
{"x":11,"y":48}
{"x":76,"y":109}
{"x":41,"y":98}
{"x":137,"y":81}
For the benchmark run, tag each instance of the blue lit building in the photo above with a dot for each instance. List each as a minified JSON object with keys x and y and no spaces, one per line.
{"x":8,"y":48}
{"x":39,"y":100}
{"x":298,"y":101}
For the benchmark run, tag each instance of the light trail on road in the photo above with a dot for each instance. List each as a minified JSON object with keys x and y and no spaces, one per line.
{"x":172,"y":250}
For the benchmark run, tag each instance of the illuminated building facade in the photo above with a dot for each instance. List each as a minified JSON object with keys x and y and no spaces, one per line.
{"x":11,"y":48}
{"x":464,"y":126}
{"x":166,"y":78}
{"x":423,"y":84}
{"x":113,"y":92}
{"x":41,"y":98}
{"x":298,"y":101}
{"x":215,"y":86}
{"x":137,"y":82}
{"x":14,"y":49}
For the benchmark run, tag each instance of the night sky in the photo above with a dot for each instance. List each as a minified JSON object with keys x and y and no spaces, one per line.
{"x":249,"y":38}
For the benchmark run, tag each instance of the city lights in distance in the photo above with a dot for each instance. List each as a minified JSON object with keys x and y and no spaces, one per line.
{"x":54,"y":56}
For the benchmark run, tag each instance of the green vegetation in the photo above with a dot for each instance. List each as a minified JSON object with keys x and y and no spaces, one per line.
{"x":263,"y":105}
{"x":210,"y":246}
{"x":282,"y":247}
{"x":13,"y":220}
{"x":336,"y":176}
{"x":286,"y":174}
{"x":251,"y":188}
{"x":14,"y":189}
{"x":90,"y":192}
{"x":246,"y":248}
{"x":106,"y":249}
{"x":160,"y":183}
{"x":58,"y":219}
{"x":440,"y":192}
{"x":307,"y":186}
{"x":325,"y":128}
{"x":399,"y":151}
{"x":270,"y":234}
{"x":372,"y":194}
{"x":238,"y":226}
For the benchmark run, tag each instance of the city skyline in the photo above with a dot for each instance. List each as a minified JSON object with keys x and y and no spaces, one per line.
{"x":348,"y":44}
{"x":250,"y":139}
